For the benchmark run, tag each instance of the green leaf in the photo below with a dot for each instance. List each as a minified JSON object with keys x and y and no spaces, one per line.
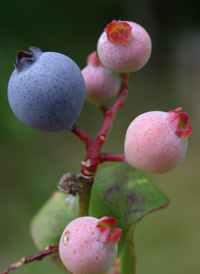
{"x":125,"y":193}
{"x":49,"y":223}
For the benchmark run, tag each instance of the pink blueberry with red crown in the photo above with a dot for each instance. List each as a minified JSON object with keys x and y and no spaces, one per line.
{"x":101,"y":83}
{"x":124,"y":46}
{"x":89,"y":245}
{"x":157,"y":141}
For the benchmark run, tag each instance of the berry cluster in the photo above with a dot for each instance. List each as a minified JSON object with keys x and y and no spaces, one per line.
{"x":47,"y":90}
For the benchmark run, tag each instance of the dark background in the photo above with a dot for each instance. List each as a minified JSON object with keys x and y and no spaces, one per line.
{"x":31,"y":162}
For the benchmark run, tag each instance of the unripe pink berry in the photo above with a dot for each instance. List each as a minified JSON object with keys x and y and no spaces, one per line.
{"x":89,"y":245}
{"x":156,"y":141}
{"x":124,"y":46}
{"x":101,"y":83}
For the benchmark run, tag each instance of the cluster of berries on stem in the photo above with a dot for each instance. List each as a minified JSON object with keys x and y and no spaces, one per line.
{"x":46,"y":92}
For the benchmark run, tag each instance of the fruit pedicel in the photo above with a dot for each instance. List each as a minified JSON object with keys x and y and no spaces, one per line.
{"x":47,"y":90}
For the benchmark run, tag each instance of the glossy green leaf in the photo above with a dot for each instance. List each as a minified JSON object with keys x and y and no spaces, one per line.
{"x":125,"y":193}
{"x":49,"y":223}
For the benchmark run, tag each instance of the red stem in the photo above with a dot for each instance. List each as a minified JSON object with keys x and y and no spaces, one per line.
{"x":82,"y":135}
{"x":114,"y":157}
{"x":94,"y":157}
{"x":110,"y":114}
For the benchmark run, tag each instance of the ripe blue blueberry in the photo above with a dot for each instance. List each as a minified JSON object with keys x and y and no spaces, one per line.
{"x":46,"y":91}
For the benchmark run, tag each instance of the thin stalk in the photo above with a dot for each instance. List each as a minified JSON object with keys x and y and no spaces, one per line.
{"x":93,"y":156}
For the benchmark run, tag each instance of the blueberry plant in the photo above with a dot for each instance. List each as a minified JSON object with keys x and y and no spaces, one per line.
{"x":76,"y":228}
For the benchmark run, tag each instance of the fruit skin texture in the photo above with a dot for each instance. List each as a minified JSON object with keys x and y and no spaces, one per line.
{"x":124,"y":46}
{"x":156,"y":141}
{"x":46,"y":91}
{"x":101,"y":83}
{"x":89,"y":245}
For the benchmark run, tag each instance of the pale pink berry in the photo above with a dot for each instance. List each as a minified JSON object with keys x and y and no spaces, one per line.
{"x":124,"y":46}
{"x":101,"y":83}
{"x":89,"y":245}
{"x":156,"y":141}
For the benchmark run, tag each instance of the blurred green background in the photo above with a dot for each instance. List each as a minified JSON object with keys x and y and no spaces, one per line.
{"x":31,"y":162}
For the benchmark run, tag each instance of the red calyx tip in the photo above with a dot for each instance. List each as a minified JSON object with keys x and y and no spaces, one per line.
{"x":118,"y":32}
{"x":107,"y":226}
{"x":93,"y":59}
{"x":179,"y":122}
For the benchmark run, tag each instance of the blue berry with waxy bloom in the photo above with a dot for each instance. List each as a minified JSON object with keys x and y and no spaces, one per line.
{"x":46,"y":91}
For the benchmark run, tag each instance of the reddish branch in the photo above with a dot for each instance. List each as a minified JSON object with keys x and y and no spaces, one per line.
{"x":82,"y":135}
{"x":94,"y":157}
{"x":115,"y":157}
{"x":36,"y":257}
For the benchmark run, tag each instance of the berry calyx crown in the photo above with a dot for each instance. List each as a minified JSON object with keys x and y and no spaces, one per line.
{"x":118,"y":32}
{"x":179,"y":123}
{"x":94,"y":60}
{"x":25,"y":59}
{"x":107,"y":226}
